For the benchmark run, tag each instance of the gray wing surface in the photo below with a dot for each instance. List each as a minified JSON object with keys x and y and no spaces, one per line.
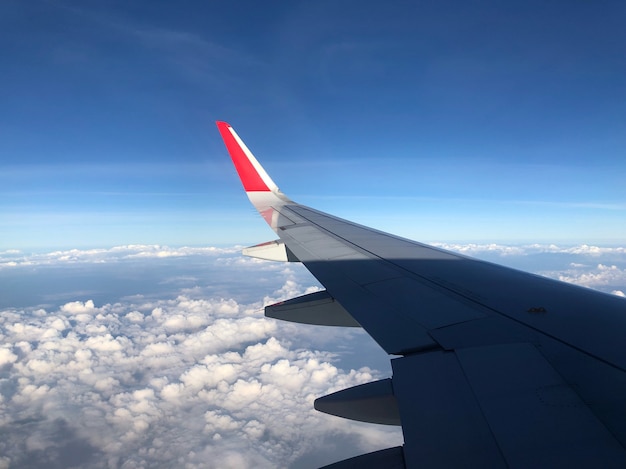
{"x":493,"y":367}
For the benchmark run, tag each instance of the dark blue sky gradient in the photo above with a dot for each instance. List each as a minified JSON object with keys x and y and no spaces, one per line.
{"x":483,"y":102}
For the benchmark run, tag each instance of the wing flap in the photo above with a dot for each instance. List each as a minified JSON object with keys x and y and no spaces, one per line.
{"x":496,"y":406}
{"x":440,"y":415}
{"x":537,"y":418}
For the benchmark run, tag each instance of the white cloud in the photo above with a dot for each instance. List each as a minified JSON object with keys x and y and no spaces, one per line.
{"x":14,"y":258}
{"x":200,"y":382}
{"x":594,"y":277}
{"x":6,"y":356}
{"x":198,"y":375}
{"x":528,"y":249}
{"x":473,"y":248}
{"x":78,"y":307}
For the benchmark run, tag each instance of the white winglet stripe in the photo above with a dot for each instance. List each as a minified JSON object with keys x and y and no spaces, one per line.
{"x":257,"y":166}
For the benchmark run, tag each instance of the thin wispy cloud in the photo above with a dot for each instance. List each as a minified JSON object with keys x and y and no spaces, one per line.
{"x":15,"y":258}
{"x":465,"y":200}
{"x":535,"y":248}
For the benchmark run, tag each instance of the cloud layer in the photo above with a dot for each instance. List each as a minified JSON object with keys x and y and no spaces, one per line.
{"x":186,"y":371}
{"x":189,"y":381}
{"x":16,"y":258}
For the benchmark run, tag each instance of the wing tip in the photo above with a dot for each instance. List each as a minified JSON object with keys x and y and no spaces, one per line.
{"x":252,"y":175}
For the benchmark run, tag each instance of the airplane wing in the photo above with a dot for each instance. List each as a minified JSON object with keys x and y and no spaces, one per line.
{"x":493,"y":367}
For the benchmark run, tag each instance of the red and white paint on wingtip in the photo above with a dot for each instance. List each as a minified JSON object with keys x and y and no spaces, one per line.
{"x":259,"y":187}
{"x":252,"y":175}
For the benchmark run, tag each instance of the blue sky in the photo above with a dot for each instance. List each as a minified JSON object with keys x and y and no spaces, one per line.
{"x":440,"y":121}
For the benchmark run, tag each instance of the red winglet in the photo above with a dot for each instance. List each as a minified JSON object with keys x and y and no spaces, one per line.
{"x":250,"y":178}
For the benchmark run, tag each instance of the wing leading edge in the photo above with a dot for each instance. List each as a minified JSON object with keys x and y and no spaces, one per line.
{"x":496,"y":367}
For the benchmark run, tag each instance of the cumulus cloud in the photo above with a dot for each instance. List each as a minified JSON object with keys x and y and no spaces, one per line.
{"x":595,"y":277}
{"x":7,"y":356}
{"x":472,"y":248}
{"x":199,"y":381}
